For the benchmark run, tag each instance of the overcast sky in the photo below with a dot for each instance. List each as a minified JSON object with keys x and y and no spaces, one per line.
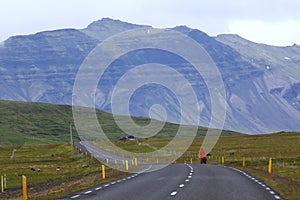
{"x":275,"y":22}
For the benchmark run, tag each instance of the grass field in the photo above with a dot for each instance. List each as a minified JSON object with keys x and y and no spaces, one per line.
{"x":283,"y":148}
{"x":50,"y":170}
{"x":38,"y":135}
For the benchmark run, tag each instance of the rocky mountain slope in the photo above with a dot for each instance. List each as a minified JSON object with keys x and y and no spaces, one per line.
{"x":262,"y":82}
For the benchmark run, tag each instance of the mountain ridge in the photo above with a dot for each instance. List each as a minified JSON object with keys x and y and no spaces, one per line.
{"x":262,"y":82}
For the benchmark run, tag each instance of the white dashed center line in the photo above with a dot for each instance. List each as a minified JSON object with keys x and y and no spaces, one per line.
{"x":173,"y":193}
{"x":181,"y":186}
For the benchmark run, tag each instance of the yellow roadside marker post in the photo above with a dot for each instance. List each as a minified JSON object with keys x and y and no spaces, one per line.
{"x":223,"y":160}
{"x":24,"y":187}
{"x":191,"y":160}
{"x":103,"y":172}
{"x":126,"y":165}
{"x":244,"y":162}
{"x":270,"y":166}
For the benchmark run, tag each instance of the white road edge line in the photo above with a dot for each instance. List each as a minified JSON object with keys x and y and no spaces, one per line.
{"x":277,"y":197}
{"x":88,"y":192}
{"x":258,"y":182}
{"x":74,"y":197}
{"x":98,"y":188}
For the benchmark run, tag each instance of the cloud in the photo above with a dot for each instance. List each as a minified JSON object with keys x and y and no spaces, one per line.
{"x":278,"y":33}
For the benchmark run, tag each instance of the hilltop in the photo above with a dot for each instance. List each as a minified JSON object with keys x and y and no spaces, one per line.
{"x":39,"y":123}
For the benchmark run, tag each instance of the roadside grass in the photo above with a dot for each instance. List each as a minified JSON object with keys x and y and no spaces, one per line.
{"x":283,"y":148}
{"x":39,"y":133}
{"x":50,"y":170}
{"x":54,"y":161}
{"x":287,"y":187}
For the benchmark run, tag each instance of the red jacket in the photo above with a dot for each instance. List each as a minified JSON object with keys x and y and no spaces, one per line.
{"x":202,"y":153}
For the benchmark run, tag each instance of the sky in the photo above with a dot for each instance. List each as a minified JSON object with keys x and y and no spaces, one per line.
{"x":273,"y":22}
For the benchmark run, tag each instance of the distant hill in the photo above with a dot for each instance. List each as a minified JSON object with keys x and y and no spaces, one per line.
{"x":39,"y":123}
{"x":262,"y":82}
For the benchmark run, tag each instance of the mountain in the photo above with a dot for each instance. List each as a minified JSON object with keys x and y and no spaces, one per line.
{"x":262,"y":82}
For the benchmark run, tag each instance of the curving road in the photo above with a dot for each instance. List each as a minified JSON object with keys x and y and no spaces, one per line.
{"x":180,"y":181}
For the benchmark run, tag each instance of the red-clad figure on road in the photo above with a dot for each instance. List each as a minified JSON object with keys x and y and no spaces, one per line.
{"x":202,"y":156}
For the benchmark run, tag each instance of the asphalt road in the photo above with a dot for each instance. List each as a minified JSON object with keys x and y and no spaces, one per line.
{"x":180,"y":181}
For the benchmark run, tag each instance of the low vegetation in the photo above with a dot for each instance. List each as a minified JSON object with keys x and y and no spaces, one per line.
{"x":283,"y":148}
{"x":51,"y":171}
{"x":35,"y":136}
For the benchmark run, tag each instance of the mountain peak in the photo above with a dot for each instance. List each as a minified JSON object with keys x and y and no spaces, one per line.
{"x":105,"y":27}
{"x":106,"y":21}
{"x":183,"y":29}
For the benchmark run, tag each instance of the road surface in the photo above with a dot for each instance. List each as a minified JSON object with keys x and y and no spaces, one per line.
{"x":183,"y":181}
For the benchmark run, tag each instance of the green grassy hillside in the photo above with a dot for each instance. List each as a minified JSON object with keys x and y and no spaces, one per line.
{"x":33,"y":123}
{"x":38,"y":123}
